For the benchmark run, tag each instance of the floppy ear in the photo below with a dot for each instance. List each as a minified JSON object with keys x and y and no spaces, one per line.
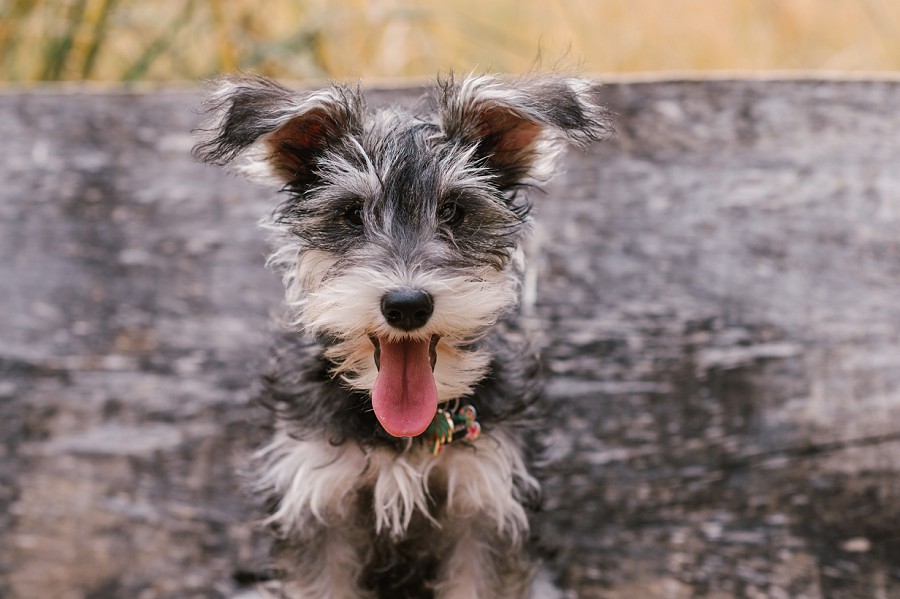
{"x":521,"y":126}
{"x":278,"y":132}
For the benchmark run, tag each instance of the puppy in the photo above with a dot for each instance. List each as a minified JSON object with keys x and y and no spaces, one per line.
{"x":403,"y":391}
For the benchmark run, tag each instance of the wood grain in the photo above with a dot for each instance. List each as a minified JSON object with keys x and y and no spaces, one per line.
{"x":716,"y":293}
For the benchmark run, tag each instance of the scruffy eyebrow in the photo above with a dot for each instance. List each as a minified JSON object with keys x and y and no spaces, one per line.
{"x":361,"y":180}
{"x":459,"y":172}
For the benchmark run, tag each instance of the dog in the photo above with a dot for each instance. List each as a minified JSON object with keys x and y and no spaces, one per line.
{"x":404,"y":393}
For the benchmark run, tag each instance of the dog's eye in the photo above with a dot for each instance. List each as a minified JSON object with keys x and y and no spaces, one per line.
{"x":452,"y":214}
{"x":354,"y":217}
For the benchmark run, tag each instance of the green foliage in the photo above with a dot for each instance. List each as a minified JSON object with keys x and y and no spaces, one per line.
{"x":164,"y":40}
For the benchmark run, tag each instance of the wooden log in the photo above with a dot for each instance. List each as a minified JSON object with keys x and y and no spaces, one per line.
{"x":715,"y":290}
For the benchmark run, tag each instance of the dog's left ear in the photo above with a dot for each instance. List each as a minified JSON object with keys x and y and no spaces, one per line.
{"x":279,"y":134}
{"x":520,"y":127}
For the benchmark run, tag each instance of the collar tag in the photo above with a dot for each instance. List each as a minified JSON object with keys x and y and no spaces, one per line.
{"x":448,"y":426}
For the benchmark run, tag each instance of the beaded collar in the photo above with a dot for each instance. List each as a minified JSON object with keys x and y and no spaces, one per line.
{"x":452,"y":424}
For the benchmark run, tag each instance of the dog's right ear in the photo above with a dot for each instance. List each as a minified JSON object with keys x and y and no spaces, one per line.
{"x":277,"y":132}
{"x":518,"y":127}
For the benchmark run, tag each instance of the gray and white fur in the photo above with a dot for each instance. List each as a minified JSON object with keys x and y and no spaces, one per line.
{"x":400,"y":230}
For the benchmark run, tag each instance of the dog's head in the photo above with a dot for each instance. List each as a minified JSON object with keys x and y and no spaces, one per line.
{"x":399,"y":235}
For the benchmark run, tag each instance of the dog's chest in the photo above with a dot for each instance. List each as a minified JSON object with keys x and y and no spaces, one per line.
{"x":315,"y":480}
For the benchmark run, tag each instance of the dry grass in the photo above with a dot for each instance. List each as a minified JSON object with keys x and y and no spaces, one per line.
{"x":190,"y":39}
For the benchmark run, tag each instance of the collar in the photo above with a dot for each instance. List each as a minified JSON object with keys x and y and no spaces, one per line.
{"x":453,"y":424}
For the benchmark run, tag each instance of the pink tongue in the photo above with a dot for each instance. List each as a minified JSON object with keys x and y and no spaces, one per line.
{"x":404,"y":395}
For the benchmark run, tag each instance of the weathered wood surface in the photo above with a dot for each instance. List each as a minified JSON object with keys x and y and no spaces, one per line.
{"x":717,"y":296}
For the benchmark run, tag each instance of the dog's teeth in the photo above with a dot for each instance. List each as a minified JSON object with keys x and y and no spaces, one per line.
{"x":377,"y":345}
{"x":432,"y":351}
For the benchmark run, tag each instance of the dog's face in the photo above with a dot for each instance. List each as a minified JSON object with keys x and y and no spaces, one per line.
{"x":399,"y":236}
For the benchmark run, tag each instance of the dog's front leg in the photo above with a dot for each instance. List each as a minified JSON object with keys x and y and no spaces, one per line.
{"x":482,"y":564}
{"x":325,"y":565}
{"x":483,"y":521}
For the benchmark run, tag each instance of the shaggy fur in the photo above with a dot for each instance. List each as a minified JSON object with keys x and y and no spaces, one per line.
{"x":430,"y":204}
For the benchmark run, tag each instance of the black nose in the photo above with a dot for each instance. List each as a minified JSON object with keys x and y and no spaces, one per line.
{"x":407,"y":309}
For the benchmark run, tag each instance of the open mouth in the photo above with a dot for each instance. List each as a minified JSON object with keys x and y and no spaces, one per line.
{"x":404,"y":396}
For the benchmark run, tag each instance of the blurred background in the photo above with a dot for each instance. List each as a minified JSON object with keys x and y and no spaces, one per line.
{"x":184,"y":40}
